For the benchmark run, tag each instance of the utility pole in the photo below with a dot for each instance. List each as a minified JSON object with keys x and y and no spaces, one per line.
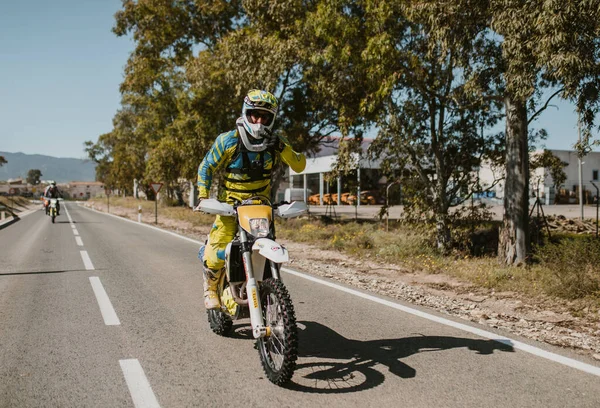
{"x":580,"y":167}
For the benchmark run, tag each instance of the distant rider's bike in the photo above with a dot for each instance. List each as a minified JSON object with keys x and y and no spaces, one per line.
{"x":52,"y":210}
{"x":252,"y":283}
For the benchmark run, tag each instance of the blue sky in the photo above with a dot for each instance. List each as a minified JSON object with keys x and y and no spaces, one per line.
{"x":60,"y":70}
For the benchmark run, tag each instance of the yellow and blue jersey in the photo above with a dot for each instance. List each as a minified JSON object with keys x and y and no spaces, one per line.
{"x":247,"y":173}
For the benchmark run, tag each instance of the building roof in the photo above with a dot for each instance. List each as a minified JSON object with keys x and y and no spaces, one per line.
{"x":87,"y":183}
{"x":331,"y":144}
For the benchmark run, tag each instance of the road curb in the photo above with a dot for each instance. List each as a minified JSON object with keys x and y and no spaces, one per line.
{"x":5,"y":223}
{"x":8,"y":222}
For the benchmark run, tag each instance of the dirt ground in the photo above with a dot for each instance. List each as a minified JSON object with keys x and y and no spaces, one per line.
{"x":542,"y":319}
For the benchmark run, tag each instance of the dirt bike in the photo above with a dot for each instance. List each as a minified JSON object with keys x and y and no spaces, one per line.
{"x":251,"y":285}
{"x":52,"y":210}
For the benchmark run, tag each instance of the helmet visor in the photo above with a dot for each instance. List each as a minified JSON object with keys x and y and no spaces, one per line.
{"x":260,"y":116}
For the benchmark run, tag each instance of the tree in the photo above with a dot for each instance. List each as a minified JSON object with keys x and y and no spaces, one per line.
{"x":2,"y":161}
{"x":33,"y":177}
{"x":424,"y":88}
{"x":553,"y":166}
{"x":544,"y":43}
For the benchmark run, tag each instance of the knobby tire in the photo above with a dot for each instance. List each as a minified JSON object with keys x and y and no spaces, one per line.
{"x":284,"y":345}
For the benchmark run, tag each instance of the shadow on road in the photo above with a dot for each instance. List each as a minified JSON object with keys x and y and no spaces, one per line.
{"x":39,"y":272}
{"x":320,"y":343}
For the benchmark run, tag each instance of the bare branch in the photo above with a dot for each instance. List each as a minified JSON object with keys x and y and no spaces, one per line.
{"x":543,"y":108}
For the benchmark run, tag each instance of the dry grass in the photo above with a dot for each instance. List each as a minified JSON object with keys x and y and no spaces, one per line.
{"x":16,"y":203}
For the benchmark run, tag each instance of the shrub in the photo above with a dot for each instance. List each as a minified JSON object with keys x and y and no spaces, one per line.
{"x":573,"y":262}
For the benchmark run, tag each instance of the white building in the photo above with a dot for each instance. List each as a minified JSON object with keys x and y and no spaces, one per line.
{"x":83,"y":189}
{"x":541,"y":181}
{"x":314,"y":177}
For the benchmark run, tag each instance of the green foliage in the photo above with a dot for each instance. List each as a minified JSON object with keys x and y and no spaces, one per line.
{"x":430,"y":76}
{"x":33,"y":176}
{"x":553,"y":165}
{"x":2,"y":161}
{"x":574,"y":265}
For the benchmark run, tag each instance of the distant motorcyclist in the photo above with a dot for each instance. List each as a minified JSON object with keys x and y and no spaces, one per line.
{"x":52,"y":191}
{"x":249,"y":154}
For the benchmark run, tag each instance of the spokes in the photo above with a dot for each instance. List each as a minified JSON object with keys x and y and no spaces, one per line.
{"x":274,"y":318}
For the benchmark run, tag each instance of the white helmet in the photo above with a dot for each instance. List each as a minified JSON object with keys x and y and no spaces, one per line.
{"x":265,"y":104}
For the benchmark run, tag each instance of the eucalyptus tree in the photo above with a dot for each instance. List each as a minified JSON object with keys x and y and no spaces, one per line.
{"x":426,"y":91}
{"x":120,"y":154}
{"x":166,"y":35}
{"x":544,"y":43}
{"x":272,"y":49}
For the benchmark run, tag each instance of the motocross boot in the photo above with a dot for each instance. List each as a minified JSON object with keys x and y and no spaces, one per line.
{"x":211,"y":282}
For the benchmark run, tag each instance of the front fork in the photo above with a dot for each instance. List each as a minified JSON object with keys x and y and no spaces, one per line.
{"x":256,"y":318}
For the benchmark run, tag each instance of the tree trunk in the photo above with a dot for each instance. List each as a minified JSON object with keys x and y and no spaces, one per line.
{"x":513,"y":245}
{"x":443,"y":235}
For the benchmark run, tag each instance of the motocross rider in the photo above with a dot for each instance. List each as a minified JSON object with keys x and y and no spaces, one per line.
{"x":249,"y":154}
{"x":52,"y":191}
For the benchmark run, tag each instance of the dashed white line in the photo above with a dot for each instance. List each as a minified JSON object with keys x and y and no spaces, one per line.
{"x":108,"y":312}
{"x":138,"y":384}
{"x":79,"y":241}
{"x":87,"y":261}
{"x":579,"y":365}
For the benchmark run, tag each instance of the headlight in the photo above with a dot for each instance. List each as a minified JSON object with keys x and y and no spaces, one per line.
{"x":259,"y":227}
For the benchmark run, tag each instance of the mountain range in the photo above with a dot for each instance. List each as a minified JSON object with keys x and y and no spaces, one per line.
{"x":58,"y":169}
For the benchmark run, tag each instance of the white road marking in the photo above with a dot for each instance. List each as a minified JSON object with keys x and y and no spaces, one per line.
{"x":79,"y":241}
{"x":73,"y":226}
{"x":87,"y":261}
{"x":75,"y":231}
{"x":588,"y":368}
{"x":68,"y":215}
{"x":139,"y":387}
{"x":108,"y":312}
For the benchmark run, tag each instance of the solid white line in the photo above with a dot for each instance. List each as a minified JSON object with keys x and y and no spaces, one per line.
{"x":79,"y":241}
{"x":75,"y":231}
{"x":138,"y":384}
{"x":73,"y":226}
{"x":87,"y":261}
{"x":68,"y":215}
{"x":588,"y":368}
{"x":108,"y":312}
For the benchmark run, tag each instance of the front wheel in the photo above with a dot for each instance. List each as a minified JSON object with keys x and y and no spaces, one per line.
{"x":279,"y":351}
{"x":53,"y":218}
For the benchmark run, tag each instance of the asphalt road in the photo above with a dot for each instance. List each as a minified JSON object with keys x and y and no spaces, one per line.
{"x":100,"y":312}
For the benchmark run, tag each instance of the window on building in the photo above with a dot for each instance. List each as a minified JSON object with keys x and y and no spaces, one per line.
{"x":595,"y":175}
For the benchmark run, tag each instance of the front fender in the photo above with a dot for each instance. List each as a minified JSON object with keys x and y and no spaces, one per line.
{"x":271,"y":250}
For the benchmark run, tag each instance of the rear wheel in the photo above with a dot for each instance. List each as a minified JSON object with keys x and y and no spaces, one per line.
{"x":220,"y":323}
{"x":279,"y":351}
